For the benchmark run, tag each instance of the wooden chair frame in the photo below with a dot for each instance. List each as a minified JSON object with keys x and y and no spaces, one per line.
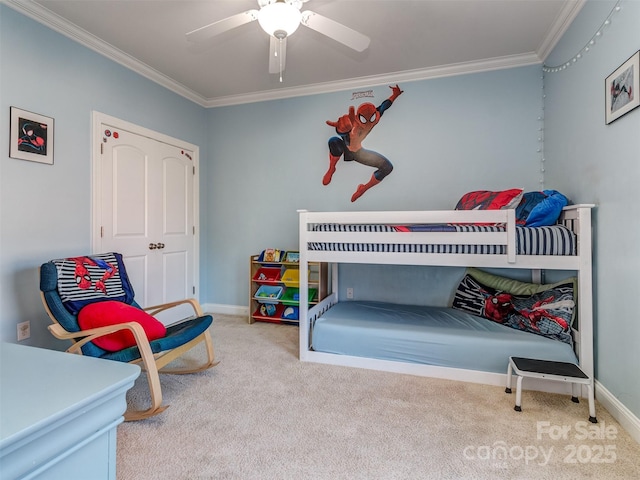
{"x":152,"y":364}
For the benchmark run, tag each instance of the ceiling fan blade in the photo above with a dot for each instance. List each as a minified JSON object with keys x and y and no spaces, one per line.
{"x":277,"y":54}
{"x":332,"y":29}
{"x":221,"y":26}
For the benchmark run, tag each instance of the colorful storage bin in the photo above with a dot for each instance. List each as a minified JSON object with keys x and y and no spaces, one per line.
{"x":269,"y":312}
{"x":291,"y":277}
{"x":268,"y":294}
{"x":290,"y":313}
{"x":267,"y":274}
{"x":291,"y":296}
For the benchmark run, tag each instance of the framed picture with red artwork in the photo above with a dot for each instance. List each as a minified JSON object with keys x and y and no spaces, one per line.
{"x":31,"y":136}
{"x":621,"y":89}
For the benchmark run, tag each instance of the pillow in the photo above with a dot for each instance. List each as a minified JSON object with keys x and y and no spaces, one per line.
{"x":102,"y":314}
{"x":486,"y":200}
{"x":515,"y":287}
{"x":538,"y":209}
{"x":526,"y":205}
{"x":546,"y":313}
{"x":548,"y":310}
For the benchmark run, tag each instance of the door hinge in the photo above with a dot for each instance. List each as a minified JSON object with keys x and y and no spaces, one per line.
{"x":194,"y":290}
{"x":101,"y":232}
{"x":194,"y":229}
{"x":194,"y":170}
{"x":102,"y":149}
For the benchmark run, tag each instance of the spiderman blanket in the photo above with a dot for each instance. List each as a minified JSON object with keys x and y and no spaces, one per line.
{"x":84,"y":280}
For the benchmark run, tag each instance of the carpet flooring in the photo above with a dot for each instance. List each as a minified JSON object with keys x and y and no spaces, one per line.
{"x":263,"y":414}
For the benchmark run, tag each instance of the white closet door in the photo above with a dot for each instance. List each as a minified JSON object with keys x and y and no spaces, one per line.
{"x":147,"y":214}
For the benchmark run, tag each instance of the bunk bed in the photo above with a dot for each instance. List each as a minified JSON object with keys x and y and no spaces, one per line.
{"x":459,"y":238}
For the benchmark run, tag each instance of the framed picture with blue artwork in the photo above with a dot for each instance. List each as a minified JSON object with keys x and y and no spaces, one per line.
{"x":31,"y":136}
{"x":621,"y":89}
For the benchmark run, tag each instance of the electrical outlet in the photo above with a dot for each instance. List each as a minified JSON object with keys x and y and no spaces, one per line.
{"x":349,"y":292}
{"x":24,"y":330}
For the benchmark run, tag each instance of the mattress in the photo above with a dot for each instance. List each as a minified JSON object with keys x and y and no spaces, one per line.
{"x":428,"y":335}
{"x":548,"y":240}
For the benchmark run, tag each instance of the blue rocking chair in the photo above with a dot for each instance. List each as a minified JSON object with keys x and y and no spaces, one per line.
{"x":67,"y":286}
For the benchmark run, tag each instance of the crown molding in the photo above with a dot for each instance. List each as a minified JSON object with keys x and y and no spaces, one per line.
{"x":487,"y":65}
{"x":55,"y":22}
{"x":565,"y":18}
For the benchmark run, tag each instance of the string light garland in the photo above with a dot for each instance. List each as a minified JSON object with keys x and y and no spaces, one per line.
{"x":540,"y":149}
{"x":558,"y":68}
{"x":589,"y":44}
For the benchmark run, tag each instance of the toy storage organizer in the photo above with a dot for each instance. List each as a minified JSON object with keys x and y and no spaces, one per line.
{"x":275,"y":286}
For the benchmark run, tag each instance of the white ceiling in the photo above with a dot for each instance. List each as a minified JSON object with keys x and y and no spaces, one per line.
{"x":410,"y":40}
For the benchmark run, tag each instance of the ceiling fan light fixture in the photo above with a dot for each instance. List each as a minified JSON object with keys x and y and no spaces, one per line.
{"x":276,"y":18}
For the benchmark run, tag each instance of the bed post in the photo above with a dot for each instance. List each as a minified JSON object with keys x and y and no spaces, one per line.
{"x":303,"y":307}
{"x":511,"y":235}
{"x":585,"y":290}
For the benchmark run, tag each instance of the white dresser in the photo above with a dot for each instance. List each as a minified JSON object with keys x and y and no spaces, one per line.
{"x":59,"y":413}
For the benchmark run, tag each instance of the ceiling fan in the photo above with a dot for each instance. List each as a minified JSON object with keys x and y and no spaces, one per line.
{"x":280,"y":18}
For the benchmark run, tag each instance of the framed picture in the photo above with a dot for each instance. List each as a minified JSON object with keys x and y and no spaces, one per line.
{"x":621,"y":89}
{"x":31,"y":136}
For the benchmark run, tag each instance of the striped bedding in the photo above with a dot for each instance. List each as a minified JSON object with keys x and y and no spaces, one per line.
{"x":548,"y":240}
{"x":84,"y":280}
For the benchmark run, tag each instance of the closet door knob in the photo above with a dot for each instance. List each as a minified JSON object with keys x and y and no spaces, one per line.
{"x":161,"y":245}
{"x":152,"y":246}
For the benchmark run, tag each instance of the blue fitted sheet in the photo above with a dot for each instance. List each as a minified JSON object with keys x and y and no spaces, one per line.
{"x":428,"y":335}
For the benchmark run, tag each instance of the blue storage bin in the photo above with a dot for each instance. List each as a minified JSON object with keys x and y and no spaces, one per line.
{"x":268,"y":294}
{"x":290,"y":313}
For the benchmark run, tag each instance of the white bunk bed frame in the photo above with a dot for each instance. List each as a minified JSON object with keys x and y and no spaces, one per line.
{"x":575,"y":217}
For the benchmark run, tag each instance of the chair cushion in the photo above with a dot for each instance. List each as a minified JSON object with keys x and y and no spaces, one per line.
{"x":102,"y":314}
{"x":177,"y":335}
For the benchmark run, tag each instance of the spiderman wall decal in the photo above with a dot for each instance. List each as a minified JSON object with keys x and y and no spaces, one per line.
{"x":352,"y":129}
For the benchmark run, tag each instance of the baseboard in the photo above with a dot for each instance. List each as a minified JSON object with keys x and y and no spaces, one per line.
{"x":622,"y":414}
{"x":221,"y":309}
{"x":433,"y":371}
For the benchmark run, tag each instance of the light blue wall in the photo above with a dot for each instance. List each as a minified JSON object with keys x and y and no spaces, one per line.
{"x":261,"y":162}
{"x":45,"y":210}
{"x":598,"y":163}
{"x":444,"y":136}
